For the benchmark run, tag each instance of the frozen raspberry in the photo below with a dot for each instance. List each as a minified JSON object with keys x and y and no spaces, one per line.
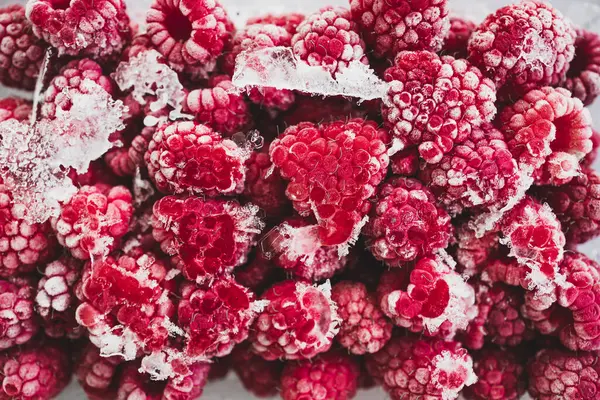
{"x":206,"y":237}
{"x":18,"y":321}
{"x":186,"y":157}
{"x":98,"y":28}
{"x":328,"y":109}
{"x":22,"y":245}
{"x":560,"y":374}
{"x":364,"y":328}
{"x":21,"y":52}
{"x":506,"y":270}
{"x":390,"y":27}
{"x":288,"y":21}
{"x":549,"y":131}
{"x":219,"y":107}
{"x":405,"y":162}
{"x":474,"y":252}
{"x":216,"y":317}
{"x":190,"y":34}
{"x":457,"y":41}
{"x":94,"y":220}
{"x":97,"y":374}
{"x":329,"y":38}
{"x":333,"y":375}
{"x":409,"y":367}
{"x":37,"y":372}
{"x":406,"y":224}
{"x":589,"y":160}
{"x":434,"y":299}
{"x":434,"y":102}
{"x":546,"y":316}
{"x":259,"y":376}
{"x":583,"y":76}
{"x":500,"y":374}
{"x":577,"y":206}
{"x":523,"y":46}
{"x":333,"y":169}
{"x":73,"y":76}
{"x":258,"y":274}
{"x":299,"y":322}
{"x":15,"y":108}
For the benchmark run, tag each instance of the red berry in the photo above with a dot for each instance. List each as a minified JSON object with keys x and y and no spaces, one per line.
{"x":506,"y":270}
{"x":473,"y":252}
{"x":288,"y":21}
{"x":97,"y":374}
{"x":500,"y":376}
{"x":18,"y":321}
{"x":15,"y":108}
{"x":589,"y":160}
{"x":457,"y":41}
{"x":259,"y":376}
{"x":405,"y":162}
{"x":583,"y":75}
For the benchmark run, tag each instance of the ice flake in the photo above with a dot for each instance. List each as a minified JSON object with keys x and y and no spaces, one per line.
{"x":119,"y":341}
{"x":169,"y":363}
{"x":298,"y":243}
{"x":447,"y":364}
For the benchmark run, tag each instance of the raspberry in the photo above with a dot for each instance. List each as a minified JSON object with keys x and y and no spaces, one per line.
{"x":405,"y":162}
{"x":219,"y":107}
{"x":406,"y":224}
{"x":434,"y":102}
{"x":333,"y":375}
{"x":37,"y":372}
{"x":390,"y":27}
{"x":333,"y":169}
{"x":583,"y":75}
{"x":21,"y":52}
{"x":259,"y":376}
{"x":216,"y":318}
{"x":457,"y":41}
{"x":434,"y":299}
{"x":328,"y":109}
{"x":186,"y":157}
{"x":560,"y":374}
{"x":22,"y":245}
{"x":364,"y":328}
{"x":506,"y":270}
{"x":18,"y":321}
{"x":472,"y":252}
{"x":577,"y":206}
{"x":329,"y":38}
{"x":549,"y":131}
{"x":480,"y":173}
{"x":523,"y":46}
{"x":288,"y":21}
{"x":97,"y":374}
{"x":409,"y":367}
{"x":15,"y":108}
{"x":190,"y":34}
{"x":206,"y":237}
{"x":94,"y":220}
{"x":500,"y":376}
{"x":589,"y":160}
{"x":300,"y":321}
{"x":98,"y":28}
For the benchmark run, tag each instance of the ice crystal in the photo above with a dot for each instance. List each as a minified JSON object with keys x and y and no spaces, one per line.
{"x":449,"y":364}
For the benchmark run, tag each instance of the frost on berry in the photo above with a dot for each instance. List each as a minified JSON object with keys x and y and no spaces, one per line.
{"x":289,"y":21}
{"x":457,"y":40}
{"x":189,"y":34}
{"x":390,"y":27}
{"x":332,"y":169}
{"x":18,"y":321}
{"x":589,"y":160}
{"x":259,"y":376}
{"x":99,"y":28}
{"x":364,"y":328}
{"x":15,"y":108}
{"x":473,"y":252}
{"x":434,"y":102}
{"x":501,"y":376}
{"x":523,"y":46}
{"x":206,"y":238}
{"x":411,"y":367}
{"x":406,"y":223}
{"x":583,"y":75}
{"x":216,"y":317}
{"x":300,"y":321}
{"x":96,"y":374}
{"x":333,"y":375}
{"x":433,"y":299}
{"x":405,"y":162}
{"x":549,"y":131}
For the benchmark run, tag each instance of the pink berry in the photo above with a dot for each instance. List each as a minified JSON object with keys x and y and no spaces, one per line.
{"x":333,"y":375}
{"x":289,"y":21}
{"x":589,"y":160}
{"x":435,"y":102}
{"x":96,"y":374}
{"x":300,"y":321}
{"x":259,"y":376}
{"x":473,"y":252}
{"x":15,"y":108}
{"x":457,"y":41}
{"x":500,"y":374}
{"x":583,"y":75}
{"x":506,"y":270}
{"x":405,"y":162}
{"x":391,"y":27}
{"x":18,"y":321}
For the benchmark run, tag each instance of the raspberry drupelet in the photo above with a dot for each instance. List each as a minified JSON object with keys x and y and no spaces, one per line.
{"x":474,"y":252}
{"x":406,"y":223}
{"x":206,"y":238}
{"x":409,"y":367}
{"x":259,"y":376}
{"x":289,"y":21}
{"x":332,"y":169}
{"x":187,"y":157}
{"x":405,"y":162}
{"x":21,"y":53}
{"x":501,"y":376}
{"x":329,"y":38}
{"x":589,"y":160}
{"x":391,"y":27}
{"x":583,"y":76}
{"x":18,"y":320}
{"x":96,"y":374}
{"x":99,"y":28}
{"x":34,"y":372}
{"x":364,"y":328}
{"x":523,"y":46}
{"x":15,"y":108}
{"x":190,"y":34}
{"x":332,"y":375}
{"x":457,"y":41}
{"x":300,"y":321}
{"x":434,"y":102}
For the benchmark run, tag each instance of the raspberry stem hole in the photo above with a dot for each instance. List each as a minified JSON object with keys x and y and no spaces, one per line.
{"x":178,"y":26}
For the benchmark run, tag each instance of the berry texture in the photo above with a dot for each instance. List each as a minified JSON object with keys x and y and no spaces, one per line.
{"x":434,"y":102}
{"x":330,"y":376}
{"x":405,"y":162}
{"x":391,"y":27}
{"x":300,"y":321}
{"x":589,"y":160}
{"x":500,"y":374}
{"x":583,"y":76}
{"x":474,"y":252}
{"x":96,"y":374}
{"x":18,"y":321}
{"x":206,"y":238}
{"x":288,"y":21}
{"x":14,"y":108}
{"x":259,"y":376}
{"x":21,"y":53}
{"x":523,"y":46}
{"x":457,"y":41}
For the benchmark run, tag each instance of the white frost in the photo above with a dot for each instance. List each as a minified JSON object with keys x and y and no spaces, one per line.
{"x":449,"y":363}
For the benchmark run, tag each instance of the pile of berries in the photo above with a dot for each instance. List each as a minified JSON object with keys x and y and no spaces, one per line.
{"x":425,"y":242}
